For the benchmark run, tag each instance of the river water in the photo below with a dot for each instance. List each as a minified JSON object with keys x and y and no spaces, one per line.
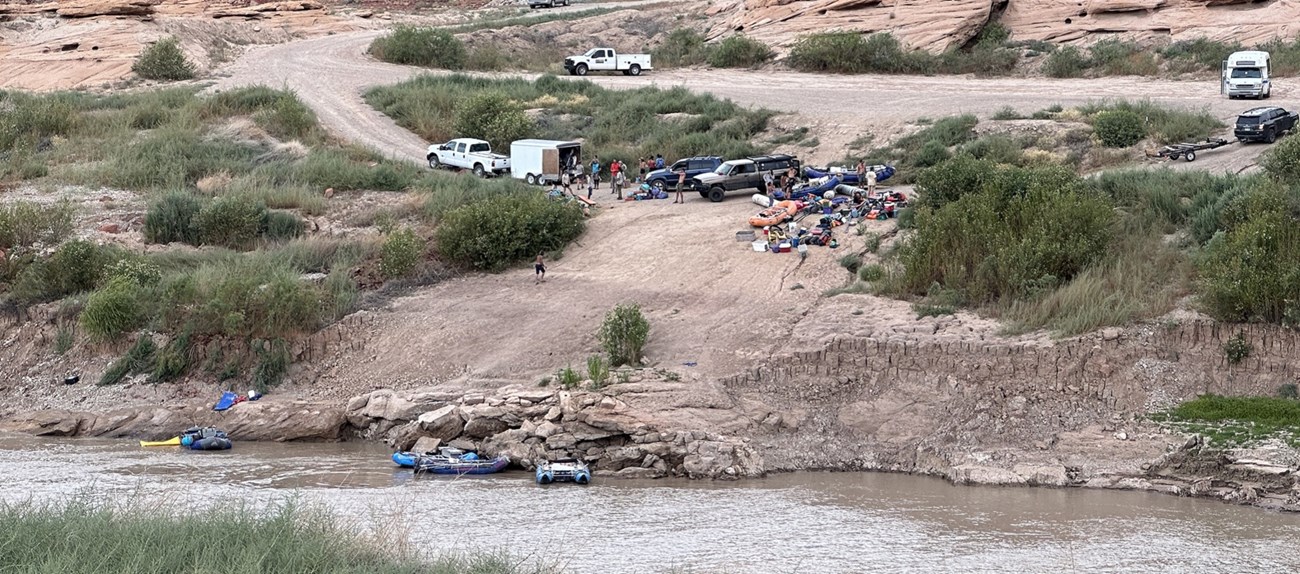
{"x":802,"y":522}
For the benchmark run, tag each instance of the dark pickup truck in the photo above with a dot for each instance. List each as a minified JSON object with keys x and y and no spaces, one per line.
{"x":742,"y":174}
{"x":1264,"y":124}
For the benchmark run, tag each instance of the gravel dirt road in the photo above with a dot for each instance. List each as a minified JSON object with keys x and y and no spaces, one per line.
{"x":711,"y":300}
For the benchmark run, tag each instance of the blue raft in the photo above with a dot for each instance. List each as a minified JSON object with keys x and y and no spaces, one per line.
{"x":883,"y":172}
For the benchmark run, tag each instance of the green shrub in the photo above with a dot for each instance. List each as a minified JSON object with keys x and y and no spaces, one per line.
{"x":1288,"y":391}
{"x":281,"y":225}
{"x":623,"y":334}
{"x":932,"y":153}
{"x":339,"y":169}
{"x":568,"y":378}
{"x":113,"y":310}
{"x":1065,"y":62}
{"x":996,"y":148}
{"x":272,"y":364}
{"x":76,"y":267}
{"x":28,"y":119}
{"x":1023,"y":231}
{"x":401,"y":252}
{"x":138,"y":360}
{"x":495,"y":232}
{"x":493,"y":117}
{"x":149,"y":117}
{"x":287,"y":118}
{"x":873,"y":272}
{"x":1165,"y":125}
{"x":1282,"y":160}
{"x":1204,"y":53}
{"x":1119,"y":128}
{"x":1251,"y":272}
{"x":65,"y":338}
{"x":1007,"y":113}
{"x":1268,"y":412}
{"x":174,"y":157}
{"x":1237,"y":349}
{"x":851,"y":263}
{"x":164,"y":61}
{"x":229,"y":221}
{"x":27,"y":223}
{"x":851,"y":53}
{"x":681,"y":47}
{"x":1116,"y":58}
{"x":739,"y":51}
{"x":251,"y":297}
{"x":170,"y":218}
{"x":420,"y":46}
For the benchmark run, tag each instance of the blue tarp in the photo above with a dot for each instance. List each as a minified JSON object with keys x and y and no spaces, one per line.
{"x":227,"y":400}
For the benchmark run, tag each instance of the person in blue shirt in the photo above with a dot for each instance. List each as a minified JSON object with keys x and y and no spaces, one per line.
{"x":595,"y":172}
{"x":659,"y":161}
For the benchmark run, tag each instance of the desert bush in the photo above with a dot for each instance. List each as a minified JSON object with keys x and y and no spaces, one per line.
{"x":1119,"y":128}
{"x":280,"y":225}
{"x":26,"y":223}
{"x":873,"y":272}
{"x":76,"y":267}
{"x":1237,"y":349}
{"x":996,"y":148}
{"x":287,"y":117}
{"x":164,"y":61}
{"x":1025,"y":230}
{"x":947,"y":181}
{"x":1204,"y":53}
{"x":113,"y":310}
{"x":1065,"y":62}
{"x":493,"y":117}
{"x":852,"y":53}
{"x":681,"y":47}
{"x":1282,"y":160}
{"x":170,"y":218}
{"x":932,"y":153}
{"x":342,"y":170}
{"x":1163,"y":124}
{"x":851,"y":263}
{"x":623,"y":334}
{"x":1251,"y":272}
{"x":495,"y":232}
{"x":1007,"y":113}
{"x":29,"y":119}
{"x":1117,"y":58}
{"x":597,"y":370}
{"x":149,"y":117}
{"x":420,"y":46}
{"x":401,"y":252}
{"x":229,"y":221}
{"x":173,"y":360}
{"x":173,"y":157}
{"x":739,"y":51}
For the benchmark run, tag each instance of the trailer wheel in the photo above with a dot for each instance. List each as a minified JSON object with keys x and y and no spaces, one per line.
{"x":581,"y":69}
{"x":1191,"y":155}
{"x":635,"y":70}
{"x":531,"y":179}
{"x":1176,"y":156}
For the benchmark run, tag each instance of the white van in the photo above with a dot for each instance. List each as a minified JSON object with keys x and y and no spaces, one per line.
{"x":1246,"y":75}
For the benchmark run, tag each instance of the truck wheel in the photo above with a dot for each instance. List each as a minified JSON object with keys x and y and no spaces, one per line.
{"x":581,"y":69}
{"x":716,"y":194}
{"x":635,"y":70}
{"x":478,"y":169}
{"x":659,"y":184}
{"x":1270,"y":136}
{"x":531,"y":179}
{"x":1191,"y":155}
{"x":433,"y":162}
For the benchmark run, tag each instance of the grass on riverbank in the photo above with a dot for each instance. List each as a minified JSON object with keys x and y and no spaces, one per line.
{"x":622,"y":124}
{"x":1238,"y":421}
{"x":94,"y":537}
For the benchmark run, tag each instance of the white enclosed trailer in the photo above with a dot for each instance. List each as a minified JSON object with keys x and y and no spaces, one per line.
{"x":540,"y":162}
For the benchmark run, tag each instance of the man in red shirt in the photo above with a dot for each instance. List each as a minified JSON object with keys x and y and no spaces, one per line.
{"x":614,"y":167}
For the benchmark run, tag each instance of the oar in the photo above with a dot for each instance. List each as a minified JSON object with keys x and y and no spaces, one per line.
{"x":174,"y":441}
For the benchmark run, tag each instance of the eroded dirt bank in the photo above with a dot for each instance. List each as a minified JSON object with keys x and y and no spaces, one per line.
{"x":937,"y":398}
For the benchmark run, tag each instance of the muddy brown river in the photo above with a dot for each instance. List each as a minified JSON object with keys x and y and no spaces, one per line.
{"x":802,"y":522}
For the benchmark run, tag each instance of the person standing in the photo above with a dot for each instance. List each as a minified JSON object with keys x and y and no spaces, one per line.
{"x":591,"y":185}
{"x":595,"y":172}
{"x":619,"y":181}
{"x":871,"y":183}
{"x":681,"y":183}
{"x":642,"y":164}
{"x":566,"y":180}
{"x":539,"y":268}
{"x":862,"y":171}
{"x":614,"y":168}
{"x":659,"y":161}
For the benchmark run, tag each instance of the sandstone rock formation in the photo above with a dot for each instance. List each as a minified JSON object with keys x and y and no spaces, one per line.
{"x":264,"y":420}
{"x":88,"y":8}
{"x":937,"y":25}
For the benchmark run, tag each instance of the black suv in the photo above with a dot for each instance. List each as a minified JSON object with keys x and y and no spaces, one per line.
{"x":742,"y":174}
{"x":1263,"y":124}
{"x":666,"y":178}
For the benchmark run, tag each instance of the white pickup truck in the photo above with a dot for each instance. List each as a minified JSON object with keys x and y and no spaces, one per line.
{"x":607,"y":60}
{"x":468,"y":153}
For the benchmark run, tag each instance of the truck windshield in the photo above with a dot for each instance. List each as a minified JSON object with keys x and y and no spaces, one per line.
{"x":723,"y":169}
{"x":592,"y":52}
{"x":1247,"y":120}
{"x":479,"y":147}
{"x":1246,"y":73}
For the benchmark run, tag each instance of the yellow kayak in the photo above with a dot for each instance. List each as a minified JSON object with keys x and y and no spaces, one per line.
{"x":174,"y":441}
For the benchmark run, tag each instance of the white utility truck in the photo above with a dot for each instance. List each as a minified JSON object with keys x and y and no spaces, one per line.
{"x":534,"y":4}
{"x":607,"y":60}
{"x":540,"y":162}
{"x":468,"y":153}
{"x":1245,"y":75}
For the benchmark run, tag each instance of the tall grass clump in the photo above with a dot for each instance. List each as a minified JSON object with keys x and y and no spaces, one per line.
{"x":1066,"y":62}
{"x":75,"y":267}
{"x":164,"y":61}
{"x":496,"y":232}
{"x":1274,"y":413}
{"x":170,"y":218}
{"x":623,"y":334}
{"x":1282,"y":160}
{"x":87,"y":535}
{"x":681,"y":47}
{"x":853,"y":53}
{"x":493,"y":117}
{"x":402,"y":251}
{"x":420,"y":46}
{"x":1117,"y":58}
{"x":739,"y":51}
{"x":26,"y":223}
{"x":1251,"y":270}
{"x":1162,"y":124}
{"x":1201,"y":53}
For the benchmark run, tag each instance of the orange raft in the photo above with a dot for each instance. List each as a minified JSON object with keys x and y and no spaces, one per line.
{"x":775,"y":215}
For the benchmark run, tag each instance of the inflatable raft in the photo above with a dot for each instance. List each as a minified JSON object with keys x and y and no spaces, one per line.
{"x":205,"y":438}
{"x":564,"y":470}
{"x":883,"y":172}
{"x":775,"y":215}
